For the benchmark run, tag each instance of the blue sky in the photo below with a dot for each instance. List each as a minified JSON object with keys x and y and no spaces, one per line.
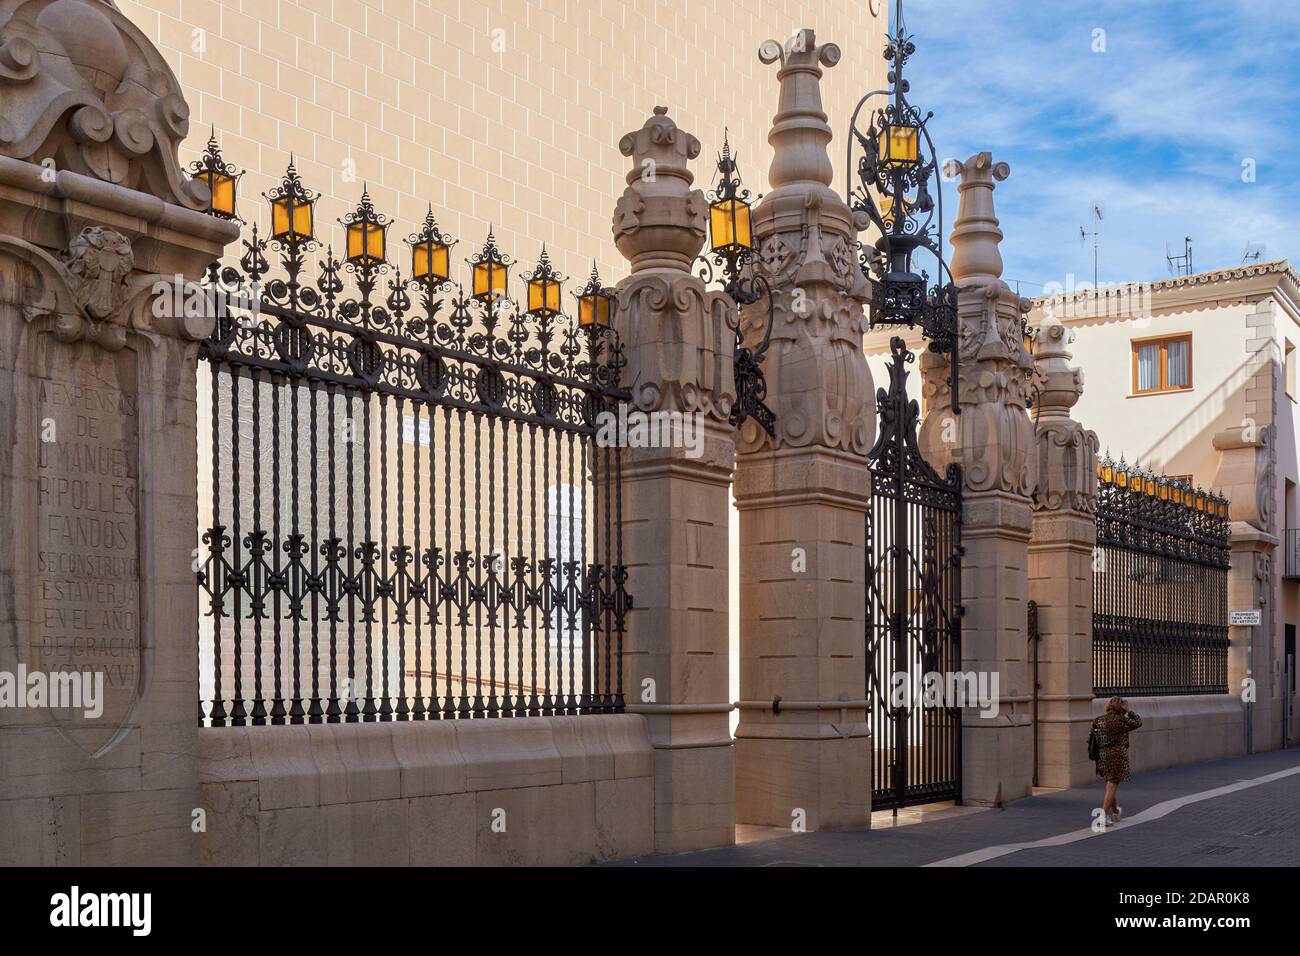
{"x":1156,"y":128}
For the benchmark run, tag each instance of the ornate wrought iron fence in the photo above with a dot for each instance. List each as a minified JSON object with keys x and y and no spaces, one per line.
{"x":408,"y":513}
{"x":1160,"y":586}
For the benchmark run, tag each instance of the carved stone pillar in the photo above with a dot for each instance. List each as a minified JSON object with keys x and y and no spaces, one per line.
{"x":1246,"y":476}
{"x":803,"y":752}
{"x":997,"y":449}
{"x":678,"y":340}
{"x":97,"y":426}
{"x":1063,"y":539}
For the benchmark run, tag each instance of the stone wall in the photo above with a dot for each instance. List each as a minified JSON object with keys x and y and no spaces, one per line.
{"x":530,"y":791}
{"x":1179,"y":730}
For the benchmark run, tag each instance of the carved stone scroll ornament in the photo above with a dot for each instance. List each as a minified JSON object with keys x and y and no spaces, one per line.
{"x":82,"y":89}
{"x":1263,"y":576}
{"x":90,"y":293}
{"x":678,"y":343}
{"x":818,"y":383}
{"x":1247,"y":473}
{"x":998,"y":442}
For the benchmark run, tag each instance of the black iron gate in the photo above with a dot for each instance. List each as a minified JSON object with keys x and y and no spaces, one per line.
{"x":913,"y":625}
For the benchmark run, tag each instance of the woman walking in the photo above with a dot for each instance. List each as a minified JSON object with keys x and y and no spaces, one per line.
{"x":1112,"y":729}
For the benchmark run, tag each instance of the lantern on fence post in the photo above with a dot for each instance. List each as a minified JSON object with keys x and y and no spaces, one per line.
{"x":490,"y":271}
{"x":430,"y":254}
{"x":596,"y":304}
{"x":293,"y":209}
{"x":1106,"y":470}
{"x":544,"y":289}
{"x":730,"y":234}
{"x":367,"y":234}
{"x":221,"y":178}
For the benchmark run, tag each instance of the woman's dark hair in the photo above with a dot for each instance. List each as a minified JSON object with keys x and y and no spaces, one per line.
{"x":1115,"y":705}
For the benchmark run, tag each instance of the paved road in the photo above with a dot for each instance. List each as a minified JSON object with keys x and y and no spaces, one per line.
{"x":1198,"y":815}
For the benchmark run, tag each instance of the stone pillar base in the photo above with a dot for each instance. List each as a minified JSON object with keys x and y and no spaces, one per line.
{"x":694,"y":798}
{"x":997,"y":759}
{"x":819,"y":783}
{"x":1063,"y":745}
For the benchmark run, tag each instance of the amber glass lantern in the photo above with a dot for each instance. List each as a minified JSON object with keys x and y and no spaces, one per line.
{"x":367,"y":233}
{"x":430,"y":254}
{"x":729,"y":222}
{"x":1121,"y":475}
{"x":544,"y":289}
{"x":221,"y":178}
{"x":595,"y":303}
{"x":293,"y":209}
{"x":1106,"y":470}
{"x":729,"y":225}
{"x":899,"y":145}
{"x":490,"y":271}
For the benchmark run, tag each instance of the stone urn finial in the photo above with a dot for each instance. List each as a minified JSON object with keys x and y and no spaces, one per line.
{"x":1061,"y":384}
{"x":659,"y":222}
{"x":800,"y":132}
{"x":976,"y":258}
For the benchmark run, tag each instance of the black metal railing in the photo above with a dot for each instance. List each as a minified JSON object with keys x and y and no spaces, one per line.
{"x":407,"y":513}
{"x":1160,"y":586}
{"x":1291,"y":554}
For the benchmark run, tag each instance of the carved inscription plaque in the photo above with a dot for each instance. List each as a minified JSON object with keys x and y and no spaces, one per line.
{"x":86,"y":596}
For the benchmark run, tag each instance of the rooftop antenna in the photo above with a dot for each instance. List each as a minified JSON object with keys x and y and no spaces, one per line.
{"x":1180,"y":265}
{"x":1084,"y":234}
{"x":1252,"y":253}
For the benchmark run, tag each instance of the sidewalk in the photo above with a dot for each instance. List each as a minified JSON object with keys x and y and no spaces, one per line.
{"x":1256,"y":825}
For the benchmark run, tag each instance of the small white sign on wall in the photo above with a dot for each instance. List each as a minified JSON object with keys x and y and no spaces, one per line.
{"x":1244,"y":618}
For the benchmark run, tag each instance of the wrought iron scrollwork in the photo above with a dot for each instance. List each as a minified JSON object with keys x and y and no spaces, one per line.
{"x":913,"y":602}
{"x":896,"y":169}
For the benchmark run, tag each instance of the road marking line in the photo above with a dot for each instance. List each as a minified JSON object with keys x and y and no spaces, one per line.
{"x":1162,"y":809}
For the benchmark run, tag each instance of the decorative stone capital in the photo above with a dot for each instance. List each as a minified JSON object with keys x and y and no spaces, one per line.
{"x":660,"y":222}
{"x":1067,"y":452}
{"x":1247,"y":473}
{"x":678,"y":342}
{"x":83,"y":90}
{"x":90,"y":292}
{"x":819,"y":385}
{"x":997,"y":446}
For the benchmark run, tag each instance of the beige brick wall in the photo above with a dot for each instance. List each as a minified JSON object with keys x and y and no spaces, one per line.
{"x":506,"y":113}
{"x":503,"y":112}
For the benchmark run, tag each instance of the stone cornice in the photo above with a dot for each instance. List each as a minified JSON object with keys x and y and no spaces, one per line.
{"x":1199,"y":289}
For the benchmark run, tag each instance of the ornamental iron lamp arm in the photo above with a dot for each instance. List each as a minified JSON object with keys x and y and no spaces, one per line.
{"x":732,"y":252}
{"x":895,"y":169}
